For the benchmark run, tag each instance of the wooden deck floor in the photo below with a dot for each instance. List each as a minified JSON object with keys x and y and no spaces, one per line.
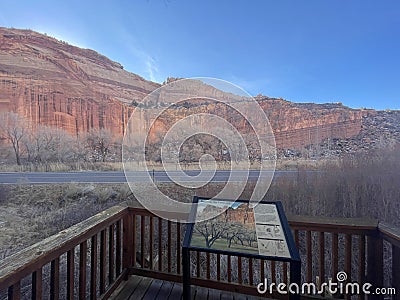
{"x":142,"y":288}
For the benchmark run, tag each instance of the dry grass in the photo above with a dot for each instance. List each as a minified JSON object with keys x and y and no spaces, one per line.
{"x":62,"y":167}
{"x":33,"y":212}
{"x":353,"y":187}
{"x":282,"y":164}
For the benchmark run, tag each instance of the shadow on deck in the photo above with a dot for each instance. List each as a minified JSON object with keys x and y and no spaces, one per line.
{"x":144,"y":288}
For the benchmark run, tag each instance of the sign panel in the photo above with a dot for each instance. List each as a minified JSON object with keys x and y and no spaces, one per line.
{"x":240,"y":228}
{"x":271,"y":239}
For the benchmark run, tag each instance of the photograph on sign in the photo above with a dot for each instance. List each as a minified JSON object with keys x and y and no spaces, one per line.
{"x":239,"y":227}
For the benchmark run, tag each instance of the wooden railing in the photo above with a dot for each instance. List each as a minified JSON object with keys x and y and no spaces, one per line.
{"x":84,"y":260}
{"x":328,"y":246}
{"x":90,"y":259}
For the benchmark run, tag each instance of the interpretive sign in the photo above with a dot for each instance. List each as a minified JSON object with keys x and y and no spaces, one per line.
{"x":240,"y":228}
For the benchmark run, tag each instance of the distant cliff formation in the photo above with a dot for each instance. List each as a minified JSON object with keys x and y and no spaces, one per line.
{"x":53,"y":83}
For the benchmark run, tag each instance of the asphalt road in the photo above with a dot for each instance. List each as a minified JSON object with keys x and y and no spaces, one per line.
{"x":119,"y":177}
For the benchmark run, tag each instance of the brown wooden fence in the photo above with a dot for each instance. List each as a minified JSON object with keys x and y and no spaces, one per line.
{"x":89,"y":260}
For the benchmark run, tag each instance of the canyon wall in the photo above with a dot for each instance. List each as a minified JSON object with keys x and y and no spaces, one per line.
{"x":53,"y":83}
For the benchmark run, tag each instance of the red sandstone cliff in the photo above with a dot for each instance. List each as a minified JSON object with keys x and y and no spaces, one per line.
{"x":53,"y":83}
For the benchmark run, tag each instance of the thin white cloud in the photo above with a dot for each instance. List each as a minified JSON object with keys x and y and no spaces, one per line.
{"x":152,"y":68}
{"x":149,"y":63}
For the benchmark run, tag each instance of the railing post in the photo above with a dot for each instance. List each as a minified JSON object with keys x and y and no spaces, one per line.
{"x":295,"y":277}
{"x":375,"y":263}
{"x":127,"y":241}
{"x":186,"y":274}
{"x":396,"y":270}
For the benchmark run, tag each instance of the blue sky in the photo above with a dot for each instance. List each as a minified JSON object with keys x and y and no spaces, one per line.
{"x":305,"y":51}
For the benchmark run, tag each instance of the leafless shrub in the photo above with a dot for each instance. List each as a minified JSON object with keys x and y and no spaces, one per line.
{"x":358,"y":186}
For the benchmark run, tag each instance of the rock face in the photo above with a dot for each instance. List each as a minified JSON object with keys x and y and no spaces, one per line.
{"x":294,"y":125}
{"x":298,"y":125}
{"x":53,"y":83}
{"x":242,"y":214}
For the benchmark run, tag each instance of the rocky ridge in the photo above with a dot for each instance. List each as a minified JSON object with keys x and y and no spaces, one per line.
{"x":53,"y":83}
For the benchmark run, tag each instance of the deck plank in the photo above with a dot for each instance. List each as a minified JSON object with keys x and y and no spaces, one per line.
{"x":201,"y":293}
{"x":214,"y":294}
{"x":141,"y":289}
{"x":129,"y":288}
{"x":193,"y":293}
{"x":176,"y":292}
{"x":226,"y":296}
{"x":165,"y":290}
{"x":239,"y":297}
{"x":153,"y":290}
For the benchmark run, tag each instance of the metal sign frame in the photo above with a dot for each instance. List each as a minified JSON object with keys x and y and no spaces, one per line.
{"x":293,"y":260}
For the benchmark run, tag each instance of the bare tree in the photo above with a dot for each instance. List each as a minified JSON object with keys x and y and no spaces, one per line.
{"x":100,"y":142}
{"x":78,"y":151}
{"x":211,"y":230}
{"x":47,"y":144}
{"x":14,"y":128}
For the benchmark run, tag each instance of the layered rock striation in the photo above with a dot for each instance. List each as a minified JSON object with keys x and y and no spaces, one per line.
{"x":53,"y":83}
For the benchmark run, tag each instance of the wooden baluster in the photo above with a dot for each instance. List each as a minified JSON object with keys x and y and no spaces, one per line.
{"x":250,"y":271}
{"x":198,"y":264}
{"x":178,"y":247}
{"x":347,"y":260}
{"x":133,"y":245}
{"x":347,"y":263}
{"x":208,"y":269}
{"x":229,"y":269}
{"x":151,"y":240}
{"x":103,"y":253}
{"x":37,"y":284}
{"x":322,"y":256}
{"x":55,"y":279}
{"x":218,"y":267}
{"x":273,"y":271}
{"x":335,"y":254}
{"x":111,"y":254}
{"x":285,"y":273}
{"x":82,"y":270}
{"x":361,"y":270}
{"x":396,"y":268}
{"x":239,"y":261}
{"x":160,"y":244}
{"x":309,"y":257}
{"x":93,"y":268}
{"x":142,"y":241}
{"x":70,"y":273}
{"x":296,"y":238}
{"x":118,"y":250}
{"x":127,"y":256}
{"x":375,"y":263}
{"x":169,"y":246}
{"x":14,"y":291}
{"x":262,"y":265}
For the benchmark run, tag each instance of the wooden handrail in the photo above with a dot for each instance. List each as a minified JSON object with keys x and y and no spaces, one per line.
{"x":389,"y":233}
{"x":27,"y":261}
{"x":328,"y":224}
{"x":151,"y":247}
